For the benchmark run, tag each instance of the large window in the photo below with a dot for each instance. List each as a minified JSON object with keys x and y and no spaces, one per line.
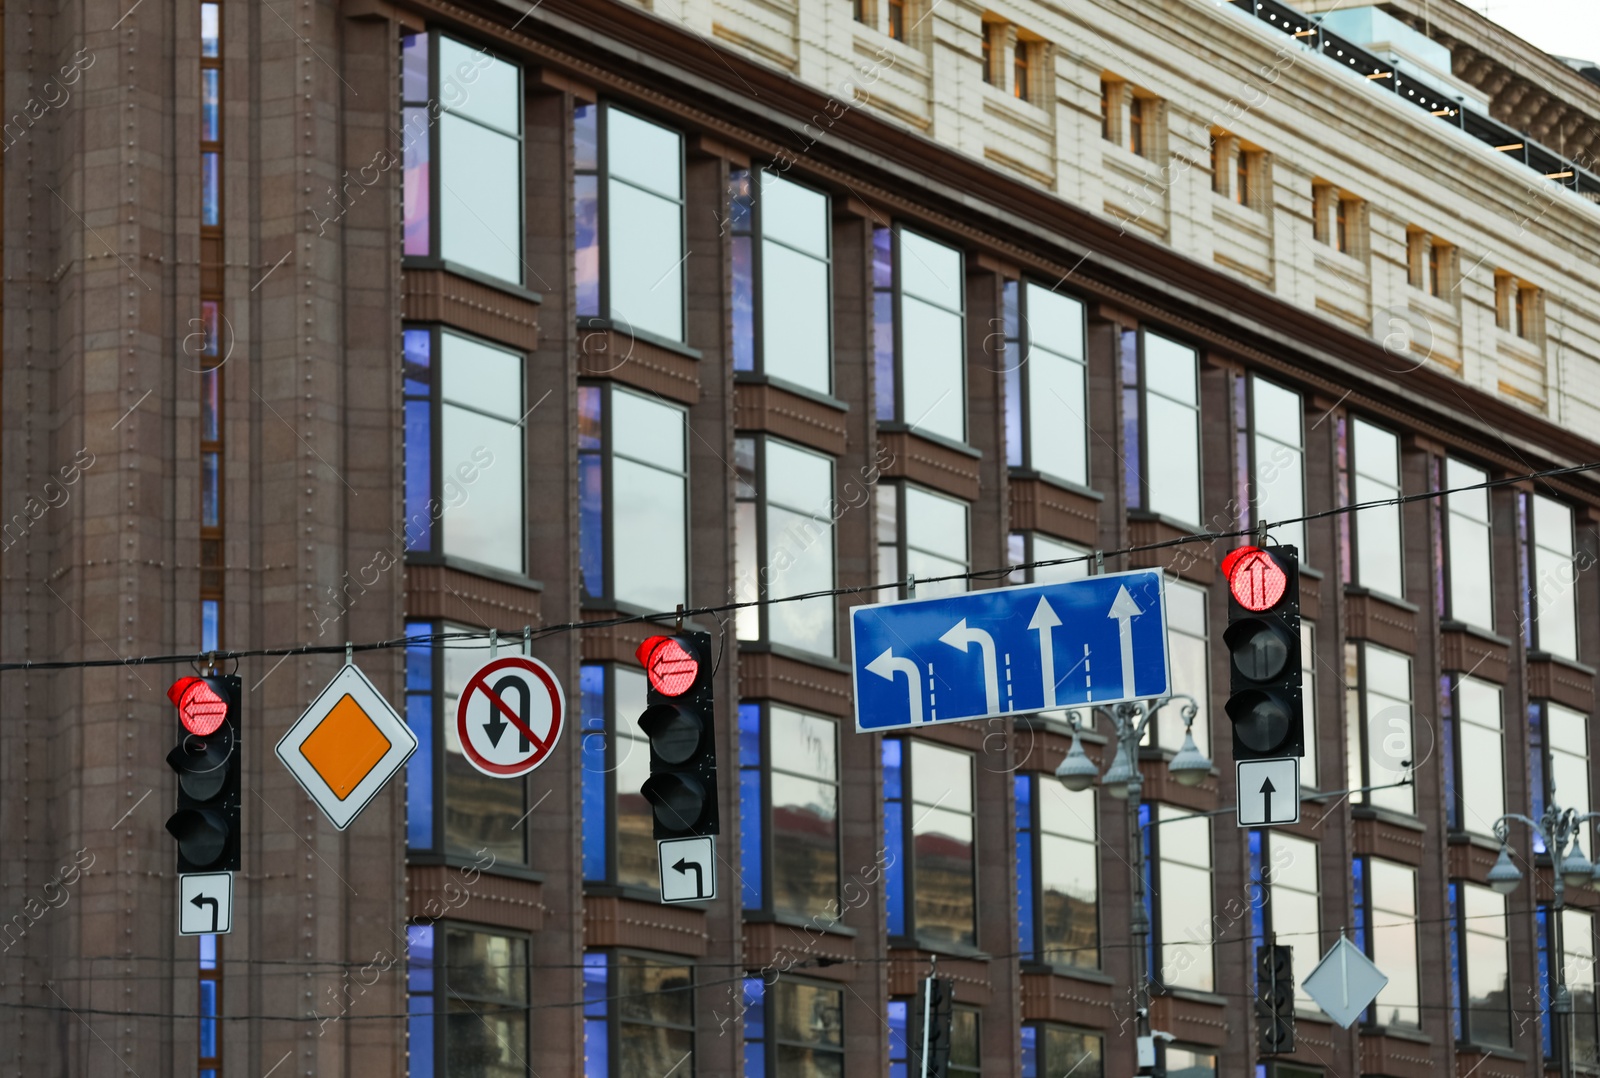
{"x":1058,"y":872}
{"x":1374,"y":475}
{"x":1190,"y":667}
{"x":633,"y":498}
{"x":1476,"y":784}
{"x":783,"y":543}
{"x":638,"y":1016}
{"x":1180,"y":863}
{"x":1577,"y":950}
{"x":789,"y":805}
{"x":468,"y":1002}
{"x":1289,"y":904}
{"x":919,"y":335}
{"x":629,"y":207}
{"x":931,"y":882}
{"x":1047,"y":429}
{"x":1278,"y":459}
{"x":462,"y":121}
{"x":1049,"y":1050}
{"x":1559,"y":739}
{"x":1470,"y":561}
{"x":1555,"y":597}
{"x":1184,"y":1062}
{"x":1386,"y":929}
{"x":618,"y":826}
{"x":464,"y":486}
{"x":1478,"y":946}
{"x":1161,"y":410}
{"x":920,"y":534}
{"x":1378,"y":717}
{"x":792,"y":1029}
{"x":782,"y":315}
{"x":905,"y":1051}
{"x":453,"y":810}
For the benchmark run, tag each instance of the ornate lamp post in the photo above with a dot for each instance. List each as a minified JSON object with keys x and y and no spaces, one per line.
{"x":1124,"y":782}
{"x":1560,"y":828}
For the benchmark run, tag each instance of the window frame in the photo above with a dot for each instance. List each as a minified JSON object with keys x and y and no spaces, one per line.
{"x":438,"y":852}
{"x":905,"y":843}
{"x":1262,"y":843}
{"x":1462,"y":928}
{"x":1019,"y":384}
{"x":1456,"y":781}
{"x":435,"y":259}
{"x":1354,"y":473}
{"x":763,"y":768}
{"x":605,"y":318}
{"x":1535,"y":548}
{"x":1361,"y":690}
{"x":753,"y":231}
{"x":436,"y":554}
{"x":759,"y":498}
{"x":1450,"y":515}
{"x":1044,"y":1063}
{"x":607,"y":729}
{"x":901,"y":542}
{"x":1362,"y":903}
{"x":1154,"y":818}
{"x":1040,"y":950}
{"x":1255,"y":461}
{"x":768,"y":1044}
{"x":608,"y":517}
{"x":900,"y":422}
{"x":1142,"y":389}
{"x":615,"y":1019}
{"x":440,"y":993}
{"x":1022,"y":548}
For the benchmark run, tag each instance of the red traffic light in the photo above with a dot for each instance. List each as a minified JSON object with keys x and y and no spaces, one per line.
{"x":1255,"y":578}
{"x":671,"y":668}
{"x":199,"y":707}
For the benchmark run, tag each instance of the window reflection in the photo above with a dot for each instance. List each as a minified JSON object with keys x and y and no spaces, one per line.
{"x":942,"y":837}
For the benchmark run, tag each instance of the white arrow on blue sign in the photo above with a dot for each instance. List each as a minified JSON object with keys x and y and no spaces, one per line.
{"x":1010,"y":651}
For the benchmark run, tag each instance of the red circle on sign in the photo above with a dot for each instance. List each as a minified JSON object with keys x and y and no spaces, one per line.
{"x":536,"y":676}
{"x":1255,"y":578}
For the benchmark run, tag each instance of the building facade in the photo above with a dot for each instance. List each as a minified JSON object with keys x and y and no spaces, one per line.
{"x":378,"y":322}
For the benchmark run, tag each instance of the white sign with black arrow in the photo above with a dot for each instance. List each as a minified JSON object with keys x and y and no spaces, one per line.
{"x":688,"y":868}
{"x":205,"y":903}
{"x":1269,"y":791}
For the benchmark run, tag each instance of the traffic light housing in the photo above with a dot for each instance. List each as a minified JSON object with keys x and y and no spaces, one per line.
{"x":682,"y":787}
{"x":1274,"y":999}
{"x":206,"y":759}
{"x":933,"y":1009}
{"x":1263,"y":641}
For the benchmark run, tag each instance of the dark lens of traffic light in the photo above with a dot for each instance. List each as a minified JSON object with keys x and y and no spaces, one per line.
{"x":1259,"y":650}
{"x":201,"y":835}
{"x":1260,"y":720}
{"x":678,"y":799}
{"x":674,"y":734}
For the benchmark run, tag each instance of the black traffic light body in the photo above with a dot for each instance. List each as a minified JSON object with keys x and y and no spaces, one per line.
{"x":932,"y":1015}
{"x":1263,"y":641}
{"x":206,"y":824}
{"x":1274,"y":999}
{"x":679,"y":721}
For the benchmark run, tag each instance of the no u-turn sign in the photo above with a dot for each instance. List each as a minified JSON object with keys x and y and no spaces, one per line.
{"x":510,"y":716}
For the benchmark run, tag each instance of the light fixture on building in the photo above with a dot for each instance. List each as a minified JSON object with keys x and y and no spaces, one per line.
{"x":1504,"y":876}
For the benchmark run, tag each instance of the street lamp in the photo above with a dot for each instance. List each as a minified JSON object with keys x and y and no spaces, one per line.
{"x":1560,"y":829}
{"x":1124,"y":782}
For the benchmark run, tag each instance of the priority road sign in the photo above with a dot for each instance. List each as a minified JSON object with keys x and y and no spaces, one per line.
{"x":205,"y":903}
{"x":1345,"y":982}
{"x":1010,"y":651}
{"x":1269,"y":791}
{"x":346,"y":746}
{"x":510,"y":716}
{"x":688,"y":868}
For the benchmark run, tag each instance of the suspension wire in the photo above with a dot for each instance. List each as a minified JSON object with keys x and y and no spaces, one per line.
{"x":472,"y":639}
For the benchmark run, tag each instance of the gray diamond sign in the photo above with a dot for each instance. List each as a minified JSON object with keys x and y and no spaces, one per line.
{"x":1344,"y":983}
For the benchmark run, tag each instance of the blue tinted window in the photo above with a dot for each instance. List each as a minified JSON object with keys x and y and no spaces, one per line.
{"x":208,"y":951}
{"x":744,"y":284}
{"x":210,"y":35}
{"x":755,"y":1028}
{"x":883,"y":320}
{"x":591,"y":492}
{"x":592,"y":727}
{"x":418,"y":375}
{"x":899,"y":1054}
{"x":752,"y":815}
{"x":1030,"y":1052}
{"x":419,"y":716}
{"x":1455,"y":958}
{"x":208,"y":1026}
{"x":419,"y":983}
{"x":1008,"y":350}
{"x":596,"y":1043}
{"x":894,"y":874}
{"x":210,"y":104}
{"x":1025,"y":907}
{"x":210,"y":490}
{"x":210,"y":189}
{"x":210,"y":627}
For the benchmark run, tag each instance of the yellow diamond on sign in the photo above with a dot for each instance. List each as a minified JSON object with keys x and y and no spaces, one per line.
{"x":344,"y":747}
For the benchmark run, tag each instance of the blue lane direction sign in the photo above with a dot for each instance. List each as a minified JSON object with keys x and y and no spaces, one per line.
{"x":1010,"y":651}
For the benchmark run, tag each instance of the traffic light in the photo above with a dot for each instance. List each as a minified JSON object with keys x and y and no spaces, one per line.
{"x":682,"y":787}
{"x":206,"y":824}
{"x":932,"y":1015}
{"x":1263,"y":641}
{"x":1274,"y":999}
